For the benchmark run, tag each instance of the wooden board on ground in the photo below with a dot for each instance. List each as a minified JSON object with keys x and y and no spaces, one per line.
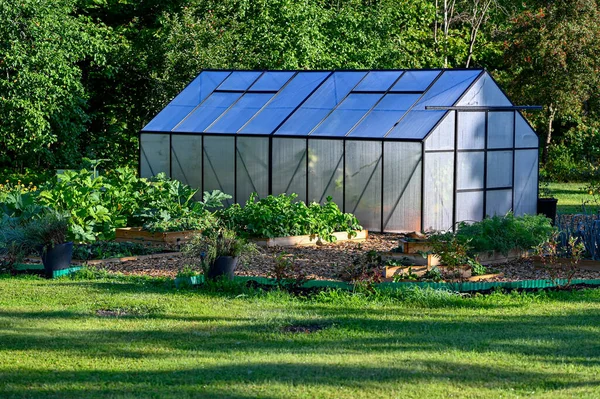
{"x":486,"y":277}
{"x":294,"y":241}
{"x":414,"y":246}
{"x":137,"y":234}
{"x":391,"y":271}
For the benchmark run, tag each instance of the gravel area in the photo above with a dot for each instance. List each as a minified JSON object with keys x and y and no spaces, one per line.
{"x":319,"y":262}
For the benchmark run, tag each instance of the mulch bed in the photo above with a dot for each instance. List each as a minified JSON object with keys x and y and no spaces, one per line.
{"x":319,"y":262}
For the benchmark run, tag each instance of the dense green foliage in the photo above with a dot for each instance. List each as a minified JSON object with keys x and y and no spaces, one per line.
{"x":282,"y":215}
{"x":504,"y":233}
{"x":135,"y":337}
{"x":97,"y":204}
{"x":81,"y":77}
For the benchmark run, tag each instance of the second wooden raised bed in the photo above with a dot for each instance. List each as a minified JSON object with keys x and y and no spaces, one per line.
{"x":137,"y":234}
{"x":294,"y":241}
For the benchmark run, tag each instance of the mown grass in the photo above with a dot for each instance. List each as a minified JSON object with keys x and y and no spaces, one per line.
{"x":571,"y":196}
{"x":231,"y":343}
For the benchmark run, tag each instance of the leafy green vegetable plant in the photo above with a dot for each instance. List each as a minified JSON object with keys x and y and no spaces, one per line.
{"x":282,"y":216}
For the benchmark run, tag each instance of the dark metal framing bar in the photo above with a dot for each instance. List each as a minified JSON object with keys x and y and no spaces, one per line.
{"x":382,"y":180}
{"x":306,"y":171}
{"x":471,"y":108}
{"x":514,"y":153}
{"x":344,"y":176}
{"x":235,"y":173}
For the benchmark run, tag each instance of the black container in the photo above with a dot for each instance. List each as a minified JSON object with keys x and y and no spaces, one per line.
{"x":547,"y":207}
{"x":223,"y":266}
{"x":57,"y":258}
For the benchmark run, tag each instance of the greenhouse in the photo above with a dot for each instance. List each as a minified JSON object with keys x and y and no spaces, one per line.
{"x":404,"y":150}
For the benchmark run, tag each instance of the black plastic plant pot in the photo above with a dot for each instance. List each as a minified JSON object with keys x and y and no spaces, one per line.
{"x":223,"y":266}
{"x":57,"y":258}
{"x":547,"y":207}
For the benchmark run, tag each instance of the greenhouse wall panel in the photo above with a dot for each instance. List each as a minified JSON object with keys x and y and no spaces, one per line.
{"x":442,"y":137}
{"x":252,"y":167}
{"x":363,"y":182}
{"x":525,"y":137}
{"x":526,"y":182}
{"x":289,"y":167}
{"x":499,"y":169}
{"x":469,"y":206}
{"x":326,"y":170}
{"x":438,"y":190}
{"x":219,"y":171}
{"x":485,"y":92}
{"x":402,"y":187}
{"x":500,"y":129}
{"x":470,"y":170}
{"x":498,"y":202}
{"x":186,"y":161}
{"x":471,"y":130}
{"x":154,"y":154}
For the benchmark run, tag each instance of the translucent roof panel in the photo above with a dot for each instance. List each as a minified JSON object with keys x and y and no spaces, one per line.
{"x":385,"y":114}
{"x":186,"y":101}
{"x":205,"y":114}
{"x":378,"y":81}
{"x":271,"y":81}
{"x":345,"y":116}
{"x":444,"y":92}
{"x":415,"y":81}
{"x":239,"y":80}
{"x":284,"y":103}
{"x":320,"y":103}
{"x":240,"y":113}
{"x":368,"y":104}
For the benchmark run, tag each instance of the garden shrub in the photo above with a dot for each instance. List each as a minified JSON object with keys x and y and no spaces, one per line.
{"x":282,"y":216}
{"x":504,"y":233}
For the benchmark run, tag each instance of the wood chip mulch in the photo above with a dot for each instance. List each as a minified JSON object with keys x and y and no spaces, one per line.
{"x":322,"y":262}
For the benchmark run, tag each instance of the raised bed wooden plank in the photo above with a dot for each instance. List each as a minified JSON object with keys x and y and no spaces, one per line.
{"x":127,"y":258}
{"x":294,"y":241}
{"x":496,"y":258}
{"x":486,"y":277}
{"x":391,"y":271}
{"x":414,"y":259}
{"x":137,"y":234}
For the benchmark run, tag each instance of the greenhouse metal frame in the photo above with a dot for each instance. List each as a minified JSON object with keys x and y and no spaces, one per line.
{"x":405,"y":150}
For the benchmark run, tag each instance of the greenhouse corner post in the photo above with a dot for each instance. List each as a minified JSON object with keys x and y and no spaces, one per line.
{"x":423,"y":185}
{"x":485,"y":165}
{"x":514,"y":145}
{"x":382,"y":181}
{"x":455,"y":168}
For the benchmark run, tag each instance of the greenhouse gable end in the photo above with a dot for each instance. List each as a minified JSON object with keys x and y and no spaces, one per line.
{"x":404,"y":150}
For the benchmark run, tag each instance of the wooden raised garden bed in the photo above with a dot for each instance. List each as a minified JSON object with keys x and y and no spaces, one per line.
{"x":294,"y":241}
{"x":413,"y":246}
{"x":584,"y":264}
{"x":126,"y":258}
{"x":137,"y":234}
{"x":485,"y":258}
{"x":391,"y":271}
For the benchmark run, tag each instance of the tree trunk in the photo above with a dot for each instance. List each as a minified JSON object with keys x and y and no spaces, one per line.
{"x":551,"y":115}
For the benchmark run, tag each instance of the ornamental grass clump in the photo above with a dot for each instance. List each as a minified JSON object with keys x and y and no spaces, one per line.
{"x":505,"y":233}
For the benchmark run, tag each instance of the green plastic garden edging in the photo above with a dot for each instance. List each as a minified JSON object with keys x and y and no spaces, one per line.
{"x":468,"y":286}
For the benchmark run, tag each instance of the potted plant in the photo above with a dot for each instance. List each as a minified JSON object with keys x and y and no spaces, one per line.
{"x":45,"y":234}
{"x":546,"y":203}
{"x":220,"y":250}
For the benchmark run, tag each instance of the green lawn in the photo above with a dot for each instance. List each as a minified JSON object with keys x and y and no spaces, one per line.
{"x":570,"y":197}
{"x":191,"y":343}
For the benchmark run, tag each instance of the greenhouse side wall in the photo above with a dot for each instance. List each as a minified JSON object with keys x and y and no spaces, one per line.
{"x":380,"y":182}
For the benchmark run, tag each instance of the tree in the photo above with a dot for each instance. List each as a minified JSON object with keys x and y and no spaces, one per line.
{"x":553,"y":55}
{"x":42,"y":100}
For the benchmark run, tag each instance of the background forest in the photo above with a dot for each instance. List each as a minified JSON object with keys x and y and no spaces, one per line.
{"x":80,"y":78}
